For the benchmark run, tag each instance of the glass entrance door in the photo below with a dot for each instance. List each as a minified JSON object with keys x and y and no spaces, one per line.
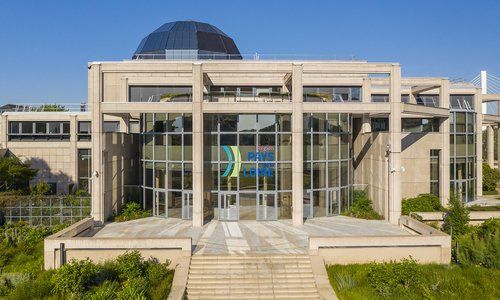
{"x":333,"y":202}
{"x":228,"y":206}
{"x":267,"y":206}
{"x":159,"y":204}
{"x":187,"y":205}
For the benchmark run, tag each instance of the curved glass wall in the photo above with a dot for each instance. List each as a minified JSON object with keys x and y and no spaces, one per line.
{"x":327,"y":164}
{"x":247,"y":166}
{"x":463,"y":155}
{"x":166,"y":158}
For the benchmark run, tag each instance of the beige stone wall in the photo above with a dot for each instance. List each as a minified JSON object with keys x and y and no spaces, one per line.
{"x":120,"y":166}
{"x":415,"y":159}
{"x":371,"y":167}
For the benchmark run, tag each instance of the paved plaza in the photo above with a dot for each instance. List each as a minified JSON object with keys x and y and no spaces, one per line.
{"x":243,"y":237}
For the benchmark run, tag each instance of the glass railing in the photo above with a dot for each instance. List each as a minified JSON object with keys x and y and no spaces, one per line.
{"x":222,"y":96}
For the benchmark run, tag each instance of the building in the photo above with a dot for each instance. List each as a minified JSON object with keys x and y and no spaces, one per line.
{"x":193,"y":130}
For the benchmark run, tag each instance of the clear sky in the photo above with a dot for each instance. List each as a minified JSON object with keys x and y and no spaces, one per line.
{"x":45,"y":45}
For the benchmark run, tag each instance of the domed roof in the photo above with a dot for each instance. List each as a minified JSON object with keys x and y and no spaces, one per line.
{"x":187,"y":40}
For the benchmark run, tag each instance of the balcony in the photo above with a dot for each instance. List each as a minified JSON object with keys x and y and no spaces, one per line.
{"x":247,"y":95}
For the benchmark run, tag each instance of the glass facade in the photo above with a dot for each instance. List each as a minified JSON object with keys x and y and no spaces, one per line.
{"x":419,"y":125}
{"x":332,"y":94}
{"x":166,"y":159}
{"x":247,"y":166}
{"x":160,"y":94}
{"x":84,"y":169}
{"x":327,"y":164}
{"x":39,"y":131}
{"x":463,"y":154}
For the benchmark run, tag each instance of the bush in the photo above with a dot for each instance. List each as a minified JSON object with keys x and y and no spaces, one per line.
{"x":456,"y":219}
{"x":481,"y":246}
{"x":131,"y":211}
{"x":134,"y":288}
{"x":107,"y":290}
{"x":421,"y":203}
{"x":74,"y":278}
{"x":392,"y":278}
{"x":362,"y":208}
{"x":490,"y":178}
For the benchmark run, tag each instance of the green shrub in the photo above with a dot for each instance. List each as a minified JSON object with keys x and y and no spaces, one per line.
{"x":133,"y":288}
{"x":490,"y":178}
{"x":362,"y":208}
{"x":456,"y":219}
{"x":106,"y":291}
{"x":40,"y":188}
{"x":483,"y":208}
{"x":481,"y":246}
{"x":74,"y":278}
{"x":130,"y":265}
{"x":41,"y":288}
{"x":421,"y":203}
{"x":393,"y":278}
{"x":131,"y":211}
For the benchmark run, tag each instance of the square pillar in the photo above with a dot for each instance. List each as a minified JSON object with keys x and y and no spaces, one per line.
{"x":366,"y":90}
{"x":94,"y":100}
{"x":490,"y":148}
{"x":297,"y":146}
{"x":4,"y":131}
{"x":498,"y":146}
{"x":479,"y":142}
{"x":444,"y":160}
{"x":73,"y":148}
{"x":197,"y":145}
{"x":394,"y":201}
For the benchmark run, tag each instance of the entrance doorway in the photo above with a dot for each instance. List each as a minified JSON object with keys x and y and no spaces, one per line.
{"x":159,"y":204}
{"x":333,"y":202}
{"x":228,"y":206}
{"x":267,"y":206}
{"x":187,"y":205}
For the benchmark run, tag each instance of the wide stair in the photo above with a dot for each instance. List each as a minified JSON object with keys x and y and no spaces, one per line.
{"x":251,"y":277}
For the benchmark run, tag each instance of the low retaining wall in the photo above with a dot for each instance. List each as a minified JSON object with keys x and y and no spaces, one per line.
{"x":476,"y":217}
{"x":427,"y":245}
{"x":105,"y":248}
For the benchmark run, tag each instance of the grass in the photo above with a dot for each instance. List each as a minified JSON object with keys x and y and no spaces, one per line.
{"x":483,"y":208}
{"x":436,"y":282}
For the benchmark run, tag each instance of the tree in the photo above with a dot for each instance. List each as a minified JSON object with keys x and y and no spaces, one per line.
{"x":456,"y":220}
{"x":14,"y":174}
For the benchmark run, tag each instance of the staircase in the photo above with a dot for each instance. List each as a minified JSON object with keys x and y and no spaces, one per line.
{"x":251,"y":277}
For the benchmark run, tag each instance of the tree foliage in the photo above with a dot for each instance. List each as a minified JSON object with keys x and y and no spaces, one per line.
{"x":14,"y":174}
{"x":490,"y":178}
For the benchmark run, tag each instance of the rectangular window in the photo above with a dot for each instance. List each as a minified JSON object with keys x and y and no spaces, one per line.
{"x":462,"y":102}
{"x":380,"y":98}
{"x":420,"y":125}
{"x":428,"y":100}
{"x":84,"y":169}
{"x":332,"y":94}
{"x":38,"y":131}
{"x":160,"y":94}
{"x":84,"y":130}
{"x":111,"y":126}
{"x":380,"y":124}
{"x":434,"y":172}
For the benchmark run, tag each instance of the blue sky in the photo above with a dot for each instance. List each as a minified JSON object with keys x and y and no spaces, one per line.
{"x":45,"y":45}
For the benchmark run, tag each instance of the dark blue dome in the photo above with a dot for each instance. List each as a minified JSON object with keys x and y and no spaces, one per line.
{"x":187,"y":40}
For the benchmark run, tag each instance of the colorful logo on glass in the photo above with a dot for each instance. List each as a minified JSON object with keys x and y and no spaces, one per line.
{"x":264,"y":155}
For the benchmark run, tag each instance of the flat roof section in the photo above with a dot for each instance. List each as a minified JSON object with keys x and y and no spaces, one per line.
{"x":250,"y":237}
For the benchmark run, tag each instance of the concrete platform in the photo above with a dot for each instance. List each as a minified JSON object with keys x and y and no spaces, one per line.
{"x":256,"y":237}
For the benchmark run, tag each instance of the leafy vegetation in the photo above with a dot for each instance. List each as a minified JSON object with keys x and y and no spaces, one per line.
{"x":131,"y":211}
{"x":409,"y":280}
{"x":421,"y":203}
{"x":483,"y":208}
{"x":14,"y":174}
{"x":362,"y":208}
{"x":53,"y":107}
{"x":456,"y":219}
{"x":480,"y":246}
{"x":130,"y":276}
{"x":491,"y":177}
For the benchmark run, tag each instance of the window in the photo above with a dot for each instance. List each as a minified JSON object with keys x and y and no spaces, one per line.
{"x":434,"y":172}
{"x":462,"y":102}
{"x":84,"y":130}
{"x":428,"y":100}
{"x":380,"y":124}
{"x":160,"y":94}
{"x":111,"y":126}
{"x":39,"y":131}
{"x":84,"y":169}
{"x":332,"y":94}
{"x":420,"y":125}
{"x":380,"y":98}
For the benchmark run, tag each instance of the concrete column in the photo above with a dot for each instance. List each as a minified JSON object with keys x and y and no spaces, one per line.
{"x":444,"y":160}
{"x":498,"y":146}
{"x":394,"y":203}
{"x":94,"y":99}
{"x":197,"y":145}
{"x":366,"y":89}
{"x":489,"y":146}
{"x":297,"y":145}
{"x":73,"y":125}
{"x":479,"y":142}
{"x":4,"y":131}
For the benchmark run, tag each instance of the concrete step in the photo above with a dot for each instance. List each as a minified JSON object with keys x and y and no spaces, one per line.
{"x":250,"y":279}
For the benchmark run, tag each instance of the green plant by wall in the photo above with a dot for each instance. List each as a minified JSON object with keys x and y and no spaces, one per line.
{"x":421,"y":203}
{"x":394,"y":278}
{"x":456,"y":219}
{"x":40,"y":188}
{"x":131,"y":211}
{"x":14,"y":174}
{"x":362,"y":208}
{"x":481,"y":246}
{"x":491,"y":177}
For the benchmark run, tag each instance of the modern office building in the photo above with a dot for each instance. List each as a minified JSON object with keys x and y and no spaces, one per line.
{"x":194,"y":130}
